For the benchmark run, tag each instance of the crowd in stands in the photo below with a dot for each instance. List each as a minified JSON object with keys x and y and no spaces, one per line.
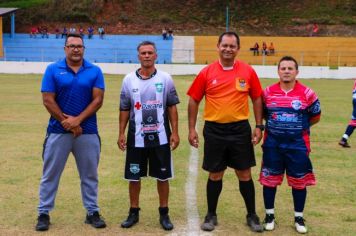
{"x":265,"y":50}
{"x":42,"y":31}
{"x":167,"y":34}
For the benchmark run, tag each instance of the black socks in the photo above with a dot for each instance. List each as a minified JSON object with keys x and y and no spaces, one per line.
{"x":213,"y":190}
{"x":247,"y":190}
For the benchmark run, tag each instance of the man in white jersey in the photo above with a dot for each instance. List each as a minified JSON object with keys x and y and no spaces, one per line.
{"x":148,"y":103}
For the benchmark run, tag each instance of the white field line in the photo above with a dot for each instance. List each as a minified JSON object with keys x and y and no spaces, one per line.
{"x":193,"y":227}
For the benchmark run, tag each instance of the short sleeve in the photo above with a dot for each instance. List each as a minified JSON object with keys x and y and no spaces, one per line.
{"x":48,"y":81}
{"x":313,"y":103}
{"x":255,"y":85}
{"x":125,"y":100}
{"x":172,"y":96}
{"x":197,"y":88}
{"x":99,"y":82}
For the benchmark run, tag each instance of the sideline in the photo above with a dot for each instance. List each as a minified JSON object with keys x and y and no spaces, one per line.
{"x":193,"y":227}
{"x":193,"y":224}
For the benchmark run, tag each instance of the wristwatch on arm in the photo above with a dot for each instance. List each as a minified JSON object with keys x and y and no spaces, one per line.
{"x":261,"y":127}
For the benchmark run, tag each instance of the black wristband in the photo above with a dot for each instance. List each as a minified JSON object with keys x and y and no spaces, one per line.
{"x":261,"y":127}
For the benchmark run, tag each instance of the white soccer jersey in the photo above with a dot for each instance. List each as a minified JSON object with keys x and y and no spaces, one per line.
{"x":147,"y":100}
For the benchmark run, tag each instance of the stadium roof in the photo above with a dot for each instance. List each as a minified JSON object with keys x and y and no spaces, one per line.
{"x":5,"y":11}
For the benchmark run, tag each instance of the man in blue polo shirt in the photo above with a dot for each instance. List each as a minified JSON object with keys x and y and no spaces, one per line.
{"x":72,"y":92}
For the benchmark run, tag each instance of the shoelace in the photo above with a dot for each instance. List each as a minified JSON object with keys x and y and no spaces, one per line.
{"x":300,"y":220}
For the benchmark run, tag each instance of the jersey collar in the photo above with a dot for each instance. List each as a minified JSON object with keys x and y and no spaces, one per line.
{"x":227,"y":68}
{"x":140,"y":77}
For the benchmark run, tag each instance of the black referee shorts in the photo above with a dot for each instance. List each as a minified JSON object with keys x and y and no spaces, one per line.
{"x":157,"y":160}
{"x":228,"y":145}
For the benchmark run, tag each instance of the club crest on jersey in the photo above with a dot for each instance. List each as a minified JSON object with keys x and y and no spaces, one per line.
{"x":134,"y":168}
{"x":296,"y":104}
{"x":241,"y":84}
{"x":159,"y":87}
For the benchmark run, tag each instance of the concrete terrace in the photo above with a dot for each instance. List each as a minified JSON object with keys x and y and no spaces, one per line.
{"x":111,"y":49}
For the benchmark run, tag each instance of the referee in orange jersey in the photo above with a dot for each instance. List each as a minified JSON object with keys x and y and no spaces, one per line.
{"x":228,"y":139}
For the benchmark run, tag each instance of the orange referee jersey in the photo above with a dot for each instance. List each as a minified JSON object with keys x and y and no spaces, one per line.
{"x":226,"y":91}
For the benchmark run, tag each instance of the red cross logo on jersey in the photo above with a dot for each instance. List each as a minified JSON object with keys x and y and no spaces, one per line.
{"x":138,"y":105}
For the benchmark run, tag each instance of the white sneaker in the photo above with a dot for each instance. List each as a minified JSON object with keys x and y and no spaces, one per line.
{"x":268,"y":223}
{"x":300,"y":225}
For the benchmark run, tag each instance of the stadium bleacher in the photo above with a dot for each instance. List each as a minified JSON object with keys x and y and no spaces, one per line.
{"x":309,"y":51}
{"x":111,"y":49}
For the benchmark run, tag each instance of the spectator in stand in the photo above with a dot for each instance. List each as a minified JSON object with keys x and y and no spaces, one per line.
{"x":33,"y":32}
{"x":264,"y":48}
{"x":64,"y":32}
{"x":57,"y":33}
{"x":44,"y":31}
{"x":39,"y":30}
{"x":255,"y":49}
{"x":90,"y":32}
{"x":101,"y":32}
{"x":72,"y":30}
{"x":314,"y":30}
{"x":170,"y":33}
{"x":81,"y":31}
{"x":164,"y":34}
{"x":271,"y":49}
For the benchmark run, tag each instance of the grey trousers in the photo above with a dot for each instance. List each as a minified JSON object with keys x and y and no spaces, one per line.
{"x":56,"y":149}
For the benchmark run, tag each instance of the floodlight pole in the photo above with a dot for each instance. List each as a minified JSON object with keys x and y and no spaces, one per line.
{"x":227,"y":18}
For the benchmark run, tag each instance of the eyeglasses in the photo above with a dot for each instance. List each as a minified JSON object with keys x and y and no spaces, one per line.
{"x":75,"y":46}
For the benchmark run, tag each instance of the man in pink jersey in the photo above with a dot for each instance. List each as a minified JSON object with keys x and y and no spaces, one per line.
{"x":290,"y":108}
{"x":352,"y":124}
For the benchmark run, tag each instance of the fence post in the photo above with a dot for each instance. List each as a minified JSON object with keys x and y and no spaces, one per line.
{"x":4,"y":53}
{"x":338,"y":60}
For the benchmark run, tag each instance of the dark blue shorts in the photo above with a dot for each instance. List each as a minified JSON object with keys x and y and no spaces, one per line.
{"x":296,"y":164}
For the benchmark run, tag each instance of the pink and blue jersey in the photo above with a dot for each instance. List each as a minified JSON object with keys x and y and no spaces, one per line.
{"x":288,"y":116}
{"x":286,"y":145}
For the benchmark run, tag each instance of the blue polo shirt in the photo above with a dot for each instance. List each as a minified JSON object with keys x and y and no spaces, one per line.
{"x":73,"y":92}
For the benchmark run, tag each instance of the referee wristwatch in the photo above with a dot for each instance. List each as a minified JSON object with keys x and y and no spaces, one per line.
{"x":261,"y":127}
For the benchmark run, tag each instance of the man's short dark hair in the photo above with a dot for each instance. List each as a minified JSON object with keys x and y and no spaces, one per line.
{"x":288,"y":58}
{"x":144,"y":43}
{"x":74,"y":36}
{"x":230,"y":33}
